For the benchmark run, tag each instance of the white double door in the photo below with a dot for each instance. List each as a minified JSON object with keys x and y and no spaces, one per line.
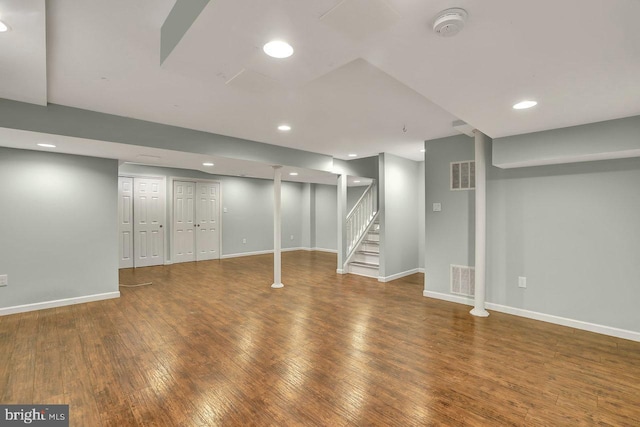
{"x":141,"y":213}
{"x":196,"y":221}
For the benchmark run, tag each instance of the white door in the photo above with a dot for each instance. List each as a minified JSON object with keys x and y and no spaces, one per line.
{"x":148,"y":215}
{"x":208,"y":221}
{"x":184,"y":242}
{"x":125,"y":222}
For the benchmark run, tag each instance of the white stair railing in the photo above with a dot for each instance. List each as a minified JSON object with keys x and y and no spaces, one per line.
{"x":361,"y":216}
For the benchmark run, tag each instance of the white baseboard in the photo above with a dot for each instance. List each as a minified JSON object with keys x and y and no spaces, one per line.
{"x":421,"y":270}
{"x":57,"y":303}
{"x":549,"y":318}
{"x":340,"y":271}
{"x":398,"y":275}
{"x":448,"y":297}
{"x":241,"y":254}
{"x":331,"y":251}
{"x":270,"y":251}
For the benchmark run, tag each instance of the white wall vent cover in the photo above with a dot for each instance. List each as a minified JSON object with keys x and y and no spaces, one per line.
{"x":463,"y":175}
{"x":463,"y":280}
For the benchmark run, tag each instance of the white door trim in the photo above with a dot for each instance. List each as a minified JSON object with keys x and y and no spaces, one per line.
{"x":149,"y":216}
{"x":125,"y":229}
{"x":164,"y":214}
{"x":175,"y":238}
{"x":172,"y":179}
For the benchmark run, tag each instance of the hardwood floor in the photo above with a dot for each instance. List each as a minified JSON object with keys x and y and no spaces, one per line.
{"x":210,"y":343}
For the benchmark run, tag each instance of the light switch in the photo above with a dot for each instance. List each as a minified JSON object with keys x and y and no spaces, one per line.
{"x":224,"y":209}
{"x":437,"y":207}
{"x":522,"y":282}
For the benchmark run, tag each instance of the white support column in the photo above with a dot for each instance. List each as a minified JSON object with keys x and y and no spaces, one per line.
{"x":481,"y":224}
{"x":342,"y":223}
{"x":277,"y":223}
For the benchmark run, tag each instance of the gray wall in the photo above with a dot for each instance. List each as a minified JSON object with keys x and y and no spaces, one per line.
{"x":249,"y":204}
{"x":572,"y":230}
{"x":69,"y":121}
{"x":307,"y":216}
{"x":399,"y":215}
{"x":603,"y":140}
{"x":366,"y":167}
{"x":421,"y":214}
{"x":58,"y":227}
{"x":450,"y":233}
{"x":326,"y":217}
{"x":353,"y":195}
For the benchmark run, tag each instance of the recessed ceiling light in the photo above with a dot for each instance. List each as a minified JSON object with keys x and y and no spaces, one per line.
{"x":284,"y":128}
{"x":353,"y":155}
{"x":278,"y":49}
{"x":46,"y":145}
{"x":422,"y":150}
{"x":524,"y":105}
{"x":293,"y":173}
{"x":3,"y":27}
{"x":207,"y":164}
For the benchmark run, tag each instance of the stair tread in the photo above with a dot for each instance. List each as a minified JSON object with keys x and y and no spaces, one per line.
{"x":371,"y":242}
{"x":368,"y":252}
{"x":365,"y":264}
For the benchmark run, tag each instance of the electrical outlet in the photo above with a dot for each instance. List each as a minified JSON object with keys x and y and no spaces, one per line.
{"x":292,"y":237}
{"x":224,"y":210}
{"x":522,"y":282}
{"x":437,"y":207}
{"x":4,"y":280}
{"x":244,"y":240}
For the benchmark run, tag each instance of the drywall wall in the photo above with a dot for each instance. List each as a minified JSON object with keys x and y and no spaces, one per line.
{"x":366,"y":167}
{"x":399,"y":221}
{"x":75,"y":122}
{"x":306,"y":216}
{"x":450,"y":233}
{"x":292,"y":208}
{"x":249,"y":205}
{"x":326,"y":225}
{"x":611,"y":139}
{"x":354,"y":194}
{"x":574,"y":232}
{"x":421,"y":214}
{"x":58,"y":226}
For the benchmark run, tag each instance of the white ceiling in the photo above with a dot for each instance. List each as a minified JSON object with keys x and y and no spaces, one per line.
{"x":23,"y":51}
{"x":362,"y":71}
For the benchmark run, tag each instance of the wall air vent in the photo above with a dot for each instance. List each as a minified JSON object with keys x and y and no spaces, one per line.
{"x":463,"y":280}
{"x":463,"y":175}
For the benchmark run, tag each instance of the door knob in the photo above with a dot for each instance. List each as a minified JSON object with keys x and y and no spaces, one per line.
{"x":160,"y":225}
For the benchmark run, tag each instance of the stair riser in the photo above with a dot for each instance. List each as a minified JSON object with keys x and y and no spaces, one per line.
{"x":363,"y":271}
{"x":373,"y":237}
{"x":370,"y":248}
{"x":368,"y":258}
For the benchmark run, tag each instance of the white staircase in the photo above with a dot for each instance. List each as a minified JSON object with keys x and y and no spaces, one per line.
{"x":366,"y":258}
{"x":363,"y":235}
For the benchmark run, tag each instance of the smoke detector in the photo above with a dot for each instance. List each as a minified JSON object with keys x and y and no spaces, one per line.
{"x":450,"y":22}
